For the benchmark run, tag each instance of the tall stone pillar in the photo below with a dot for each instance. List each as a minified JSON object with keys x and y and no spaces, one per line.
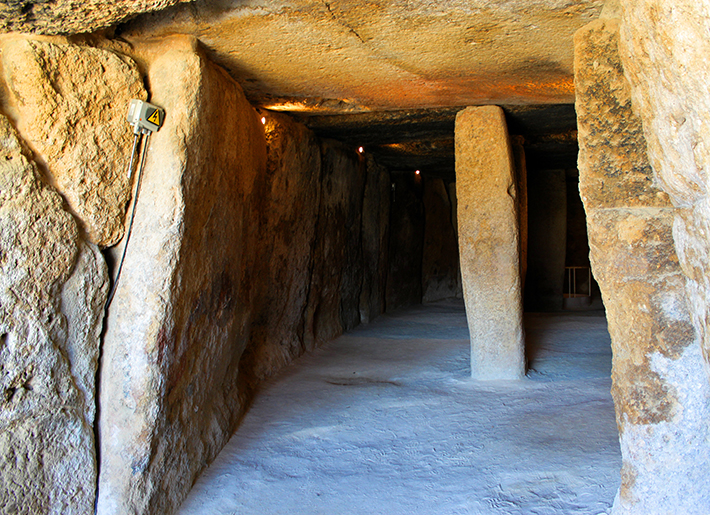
{"x":489,"y":243}
{"x":660,"y":390}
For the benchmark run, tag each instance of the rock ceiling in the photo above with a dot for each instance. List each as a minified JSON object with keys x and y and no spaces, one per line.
{"x":400,"y":67}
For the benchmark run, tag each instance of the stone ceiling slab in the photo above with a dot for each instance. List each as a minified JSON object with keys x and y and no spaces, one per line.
{"x":352,"y":56}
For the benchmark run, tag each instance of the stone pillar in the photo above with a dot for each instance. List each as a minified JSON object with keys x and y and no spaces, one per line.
{"x":660,"y":390}
{"x":488,"y":243}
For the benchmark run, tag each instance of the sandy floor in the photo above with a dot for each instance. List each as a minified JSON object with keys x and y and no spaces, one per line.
{"x":385,"y":420}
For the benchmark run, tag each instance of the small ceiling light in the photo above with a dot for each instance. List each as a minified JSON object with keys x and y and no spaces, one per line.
{"x":263,"y":120}
{"x":360,"y":150}
{"x":418,"y":172}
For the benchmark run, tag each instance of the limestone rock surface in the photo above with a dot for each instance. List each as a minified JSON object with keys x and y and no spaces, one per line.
{"x":441,"y":276}
{"x":489,"y":243}
{"x":659,"y":389}
{"x":52,"y":289}
{"x":70,"y":103}
{"x":334,"y":301}
{"x":284,"y":211}
{"x":348,"y":55}
{"x":664,"y":49}
{"x":65,"y":17}
{"x":180,"y":319}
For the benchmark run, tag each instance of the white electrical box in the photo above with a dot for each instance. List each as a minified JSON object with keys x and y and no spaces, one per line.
{"x":144,"y":116}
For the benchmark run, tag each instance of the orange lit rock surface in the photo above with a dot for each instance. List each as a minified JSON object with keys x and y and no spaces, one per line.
{"x":347,"y":55}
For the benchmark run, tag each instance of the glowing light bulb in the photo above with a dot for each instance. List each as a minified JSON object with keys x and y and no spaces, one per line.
{"x":263,"y":120}
{"x":417,"y":172}
{"x":361,"y":150}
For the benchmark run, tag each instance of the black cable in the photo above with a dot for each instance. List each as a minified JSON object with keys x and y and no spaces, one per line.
{"x":133,"y":209}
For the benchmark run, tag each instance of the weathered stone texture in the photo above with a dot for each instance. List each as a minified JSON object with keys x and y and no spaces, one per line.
{"x":307,"y":55}
{"x":406,"y":243}
{"x":488,"y":243}
{"x":659,"y":394}
{"x":180,"y":318}
{"x":225,"y":280}
{"x":52,"y":290}
{"x":63,"y":17}
{"x":521,"y":185}
{"x":70,"y":105}
{"x":441,"y":276}
{"x":284,"y":211}
{"x":334,"y":300}
{"x":664,"y":48}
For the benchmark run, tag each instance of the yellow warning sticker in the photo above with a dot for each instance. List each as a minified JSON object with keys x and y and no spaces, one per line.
{"x":155,"y":117}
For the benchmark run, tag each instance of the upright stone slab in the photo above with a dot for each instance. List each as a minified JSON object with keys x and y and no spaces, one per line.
{"x":441,"y":276}
{"x":334,"y":297}
{"x":375,"y":231}
{"x":660,"y":389}
{"x":180,"y":319}
{"x":285,"y":209}
{"x":70,"y":103}
{"x":406,"y":242}
{"x":52,"y":289}
{"x":489,"y":243}
{"x":664,"y":47}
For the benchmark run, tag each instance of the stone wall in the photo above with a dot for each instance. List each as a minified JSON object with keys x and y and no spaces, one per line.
{"x":659,"y":387}
{"x":375,"y":236}
{"x":64,"y":189}
{"x":42,"y":17}
{"x":664,"y":49}
{"x":180,"y":317}
{"x":249,"y":252}
{"x":441,"y":274}
{"x":252,"y":243}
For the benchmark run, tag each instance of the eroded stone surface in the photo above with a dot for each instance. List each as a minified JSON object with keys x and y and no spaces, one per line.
{"x":346,"y":55}
{"x":664,"y":48}
{"x":657,"y":388}
{"x":180,"y":318}
{"x":375,"y":235}
{"x":489,"y":243}
{"x":225,"y":280}
{"x":52,"y":289}
{"x":51,"y":17}
{"x":441,"y":276}
{"x":334,"y":302}
{"x":70,"y":103}
{"x":284,"y":211}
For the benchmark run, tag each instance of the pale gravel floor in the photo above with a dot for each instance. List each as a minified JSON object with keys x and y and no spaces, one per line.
{"x":385,"y":420}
